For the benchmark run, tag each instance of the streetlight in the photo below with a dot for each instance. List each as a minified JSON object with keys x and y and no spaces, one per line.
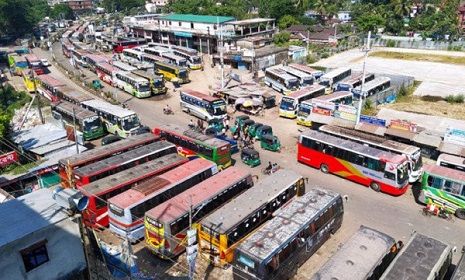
{"x":366,"y":50}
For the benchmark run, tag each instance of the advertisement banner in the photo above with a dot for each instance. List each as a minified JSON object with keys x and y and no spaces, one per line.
{"x":454,"y":136}
{"x":346,"y":108}
{"x":321,"y":111}
{"x":372,"y":120}
{"x":345,"y":116}
{"x":401,"y":125}
{"x":323,"y":104}
{"x":8,"y":158}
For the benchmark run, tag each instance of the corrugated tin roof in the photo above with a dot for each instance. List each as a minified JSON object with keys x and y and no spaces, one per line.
{"x":27,"y":214}
{"x":400,"y":133}
{"x":38,"y":136}
{"x":197,"y":18}
{"x":370,"y":128}
{"x":452,"y":149}
{"x":427,"y":138}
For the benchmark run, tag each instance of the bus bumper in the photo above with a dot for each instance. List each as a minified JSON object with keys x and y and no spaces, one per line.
{"x":304,"y":122}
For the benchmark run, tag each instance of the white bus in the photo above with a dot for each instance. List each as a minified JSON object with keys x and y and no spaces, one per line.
{"x":79,"y":57}
{"x":123,"y":66}
{"x":305,"y":79}
{"x":132,"y":56}
{"x":316,"y":74}
{"x":330,"y":79}
{"x":117,"y":120}
{"x":175,"y":59}
{"x":202,"y":106}
{"x":373,"y":87}
{"x":290,"y":103}
{"x":354,"y":81}
{"x":451,"y":161}
{"x":279,"y":80}
{"x":193,"y":61}
{"x":133,"y":84}
{"x":150,"y":58}
{"x":156,"y":51}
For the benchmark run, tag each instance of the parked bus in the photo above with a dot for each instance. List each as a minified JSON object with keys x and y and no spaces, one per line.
{"x":170,"y":72}
{"x":79,"y":57}
{"x":368,"y":251}
{"x":133,"y":84}
{"x":193,"y":60}
{"x":47,"y":85}
{"x":290,"y":103}
{"x":67,"y":49}
{"x":126,"y":210}
{"x":86,"y":122}
{"x":315,"y":73}
{"x":451,"y":161}
{"x":151,"y":59}
{"x":94,"y":59}
{"x":413,"y":153}
{"x":223,"y":230}
{"x":373,"y":87}
{"x":332,"y":78}
{"x":422,"y":258}
{"x":127,"y":43}
{"x":33,"y":62}
{"x":157,"y":82}
{"x":296,"y":231}
{"x":166,"y":224}
{"x":66,"y":166}
{"x":175,"y":59}
{"x":132,"y":56}
{"x":117,"y":120}
{"x":305,"y":79}
{"x":29,"y":80}
{"x":444,"y":187}
{"x":106,"y":72}
{"x":123,"y":66}
{"x":381,"y":170}
{"x":106,"y":167}
{"x":279,"y":80}
{"x":203,"y":106}
{"x":72,"y":95}
{"x":329,"y":101}
{"x":354,"y":81}
{"x":192,"y":144}
{"x":459,"y":271}
{"x":158,"y":51}
{"x":98,"y":192}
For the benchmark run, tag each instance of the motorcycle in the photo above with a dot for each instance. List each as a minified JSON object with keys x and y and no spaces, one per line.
{"x":168,"y":111}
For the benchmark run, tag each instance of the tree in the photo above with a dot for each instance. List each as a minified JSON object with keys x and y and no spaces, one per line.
{"x":321,"y":8}
{"x":370,"y":23}
{"x":402,"y":7}
{"x":286,"y":21}
{"x":62,"y":11}
{"x":281,"y":38}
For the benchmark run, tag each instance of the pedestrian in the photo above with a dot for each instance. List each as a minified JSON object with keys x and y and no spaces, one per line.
{"x":191,"y":124}
{"x":227,"y":123}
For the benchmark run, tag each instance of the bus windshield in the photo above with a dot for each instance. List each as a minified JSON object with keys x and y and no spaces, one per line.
{"x":143,"y":87}
{"x":402,"y":173}
{"x":307,"y":82}
{"x":219,"y":110}
{"x":417,"y":162}
{"x":91,"y":123}
{"x":182,"y":74}
{"x":196,"y":60}
{"x":130,"y":122}
{"x":287,"y":102}
{"x":324,"y":82}
{"x":294,"y":83}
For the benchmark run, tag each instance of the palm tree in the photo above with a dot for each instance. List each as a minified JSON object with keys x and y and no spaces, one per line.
{"x":321,"y":8}
{"x":402,"y":7}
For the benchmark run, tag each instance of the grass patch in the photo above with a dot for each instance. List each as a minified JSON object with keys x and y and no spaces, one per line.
{"x":458,"y":60}
{"x":14,"y":169}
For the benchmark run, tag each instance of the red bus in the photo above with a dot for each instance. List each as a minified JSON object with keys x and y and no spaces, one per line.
{"x":106,"y":72}
{"x":47,"y":86}
{"x":127,"y":43}
{"x":98,"y":192}
{"x":66,"y":166}
{"x":126,"y":211}
{"x":369,"y":166}
{"x":67,"y":49}
{"x":103,"y":168}
{"x":171,"y":218}
{"x":33,"y":62}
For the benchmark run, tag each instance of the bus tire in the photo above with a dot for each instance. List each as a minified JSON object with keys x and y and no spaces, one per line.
{"x":460,"y":213}
{"x":324,"y":168}
{"x":375,"y":186}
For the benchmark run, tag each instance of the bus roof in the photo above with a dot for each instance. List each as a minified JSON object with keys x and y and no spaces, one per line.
{"x":74,"y":94}
{"x":135,"y":77}
{"x":451,"y":158}
{"x":79,"y":112}
{"x":107,"y":66}
{"x":49,"y":80}
{"x":199,"y":95}
{"x":352,"y":145}
{"x":333,"y":96}
{"x":170,"y":65}
{"x":296,"y":72}
{"x":459,"y":272}
{"x":419,"y":257}
{"x":453,"y":174}
{"x":287,"y":222}
{"x":306,"y":69}
{"x":358,"y":135}
{"x":251,"y":200}
{"x":196,"y":136}
{"x":373,"y":83}
{"x":155,"y":57}
{"x":31,"y":57}
{"x":305,"y":91}
{"x":160,"y":183}
{"x":335,"y":72}
{"x":211,"y":187}
{"x":133,"y":174}
{"x":123,"y":66}
{"x":98,"y":58}
{"x":147,"y":74}
{"x":121,"y":159}
{"x":134,"y":51}
{"x":109,"y":108}
{"x":173,"y":56}
{"x":124,"y":144}
{"x":280,"y":72}
{"x":364,"y":250}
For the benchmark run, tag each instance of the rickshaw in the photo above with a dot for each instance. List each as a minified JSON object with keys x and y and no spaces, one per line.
{"x":263,"y":130}
{"x":238,"y":121}
{"x":270,"y":142}
{"x":96,"y":84}
{"x":253,"y":129}
{"x":250,"y":157}
{"x":246,"y":123}
{"x":216,"y":123}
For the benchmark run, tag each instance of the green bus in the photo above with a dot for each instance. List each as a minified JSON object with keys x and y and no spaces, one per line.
{"x":87,"y":122}
{"x":171,"y":71}
{"x":444,"y":187}
{"x":157,"y":83}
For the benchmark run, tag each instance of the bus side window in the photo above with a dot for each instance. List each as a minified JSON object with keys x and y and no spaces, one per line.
{"x":447,"y":186}
{"x":437,"y":183}
{"x":429,"y":181}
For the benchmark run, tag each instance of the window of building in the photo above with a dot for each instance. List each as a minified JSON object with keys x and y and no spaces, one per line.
{"x":179,"y":23}
{"x":192,"y":25}
{"x":35,"y":255}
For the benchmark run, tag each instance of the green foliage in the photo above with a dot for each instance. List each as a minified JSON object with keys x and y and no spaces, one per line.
{"x":368,"y":104}
{"x":454,"y":98}
{"x":62,"y":11}
{"x":18,"y":17}
{"x":390,"y":43}
{"x":286,"y":21}
{"x":403,"y":91}
{"x":10,"y":100}
{"x":325,"y":55}
{"x":370,"y":22}
{"x":121,"y":6}
{"x":281,"y":38}
{"x":311,"y":59}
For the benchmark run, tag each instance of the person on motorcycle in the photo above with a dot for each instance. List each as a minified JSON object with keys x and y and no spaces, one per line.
{"x":191,"y":124}
{"x":268,"y":168}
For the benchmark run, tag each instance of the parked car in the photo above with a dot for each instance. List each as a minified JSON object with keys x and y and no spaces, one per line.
{"x":44,"y":62}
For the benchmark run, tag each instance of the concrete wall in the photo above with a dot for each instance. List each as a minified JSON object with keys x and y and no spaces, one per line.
{"x":65,"y":252}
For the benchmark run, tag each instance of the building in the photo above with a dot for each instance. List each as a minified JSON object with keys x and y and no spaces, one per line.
{"x":38,"y":240}
{"x":80,"y":6}
{"x":344,"y":16}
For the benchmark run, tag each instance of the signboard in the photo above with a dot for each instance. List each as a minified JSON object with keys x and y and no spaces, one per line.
{"x":454,"y":136}
{"x":346,"y":108}
{"x":372,"y":120}
{"x":323,"y":104}
{"x":345,"y":116}
{"x":183,"y":34}
{"x":191,"y":250}
{"x":401,"y":125}
{"x":321,"y":111}
{"x":8,"y":158}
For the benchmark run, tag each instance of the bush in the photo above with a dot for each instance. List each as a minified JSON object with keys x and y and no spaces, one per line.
{"x":391,"y":43}
{"x":368,"y":104}
{"x":429,"y":98}
{"x":459,"y":98}
{"x":325,"y":55}
{"x":403,"y":91}
{"x":450,"y":98}
{"x":311,"y":59}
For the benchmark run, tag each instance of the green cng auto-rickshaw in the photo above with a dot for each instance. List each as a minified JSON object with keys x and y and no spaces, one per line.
{"x":270,"y":142}
{"x":238,"y":122}
{"x":263,"y":130}
{"x":250,"y":157}
{"x":253,"y":129}
{"x":216,"y":123}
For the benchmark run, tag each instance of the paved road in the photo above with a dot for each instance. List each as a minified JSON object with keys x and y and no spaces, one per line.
{"x":396,"y":216}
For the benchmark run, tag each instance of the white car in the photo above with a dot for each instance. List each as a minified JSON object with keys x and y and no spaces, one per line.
{"x":44,"y":62}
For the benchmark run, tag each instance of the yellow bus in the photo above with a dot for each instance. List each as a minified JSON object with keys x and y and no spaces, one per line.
{"x":28,"y":80}
{"x":171,"y":71}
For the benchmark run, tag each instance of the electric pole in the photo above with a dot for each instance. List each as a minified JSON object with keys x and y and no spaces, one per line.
{"x":38,"y":96}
